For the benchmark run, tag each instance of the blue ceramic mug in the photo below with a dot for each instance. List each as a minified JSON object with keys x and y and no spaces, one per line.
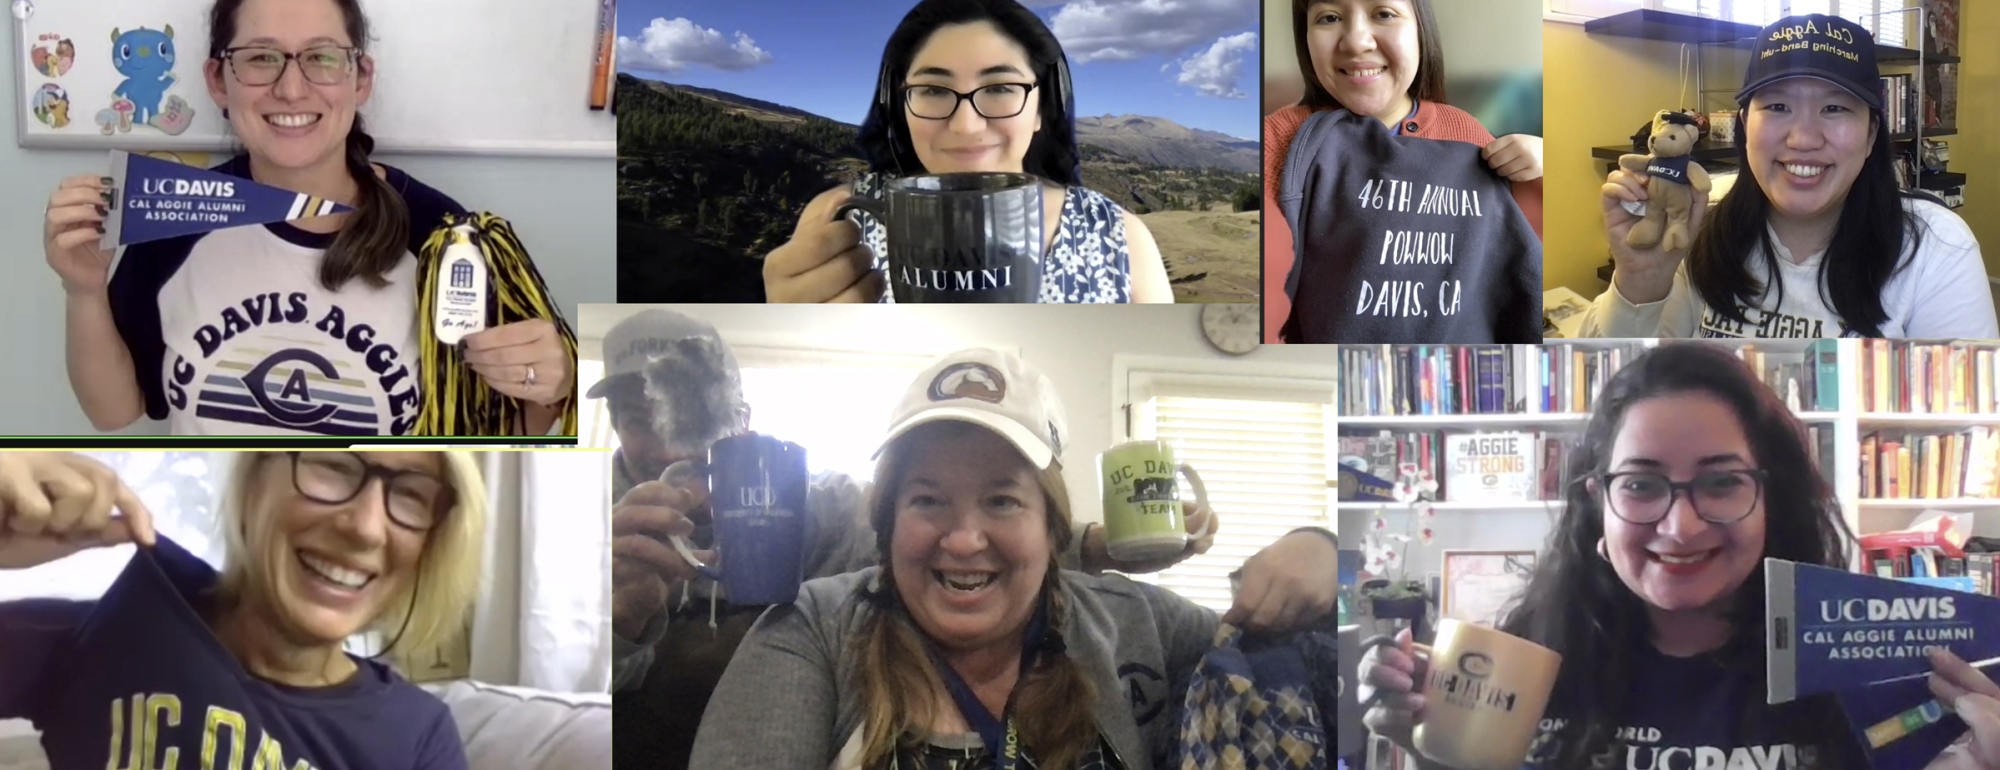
{"x":757,"y":502}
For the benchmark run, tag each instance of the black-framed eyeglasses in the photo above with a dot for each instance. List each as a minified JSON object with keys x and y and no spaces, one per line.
{"x":414,"y":499}
{"x":992,"y":102}
{"x":326,"y":65}
{"x":1718,"y":497}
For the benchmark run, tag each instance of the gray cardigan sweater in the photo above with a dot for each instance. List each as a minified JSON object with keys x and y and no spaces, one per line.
{"x":787,"y":700}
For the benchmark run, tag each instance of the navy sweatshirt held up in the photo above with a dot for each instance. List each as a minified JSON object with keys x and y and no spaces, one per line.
{"x":1404,"y":240}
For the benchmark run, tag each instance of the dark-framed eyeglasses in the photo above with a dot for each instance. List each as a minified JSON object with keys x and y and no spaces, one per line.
{"x":1718,"y":497}
{"x":326,"y":65}
{"x":414,"y":499}
{"x":992,"y":102}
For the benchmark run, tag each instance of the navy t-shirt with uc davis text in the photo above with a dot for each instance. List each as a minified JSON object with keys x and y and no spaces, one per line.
{"x":1690,"y":714}
{"x":136,"y":680}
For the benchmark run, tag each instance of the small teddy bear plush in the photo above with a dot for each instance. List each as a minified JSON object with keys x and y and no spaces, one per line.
{"x":1671,"y":181}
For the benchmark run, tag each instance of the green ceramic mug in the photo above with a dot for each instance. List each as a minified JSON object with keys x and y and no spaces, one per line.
{"x":1142,"y":501}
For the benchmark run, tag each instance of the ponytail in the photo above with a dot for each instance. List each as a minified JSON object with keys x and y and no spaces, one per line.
{"x":1054,"y":709}
{"x":378,"y":233}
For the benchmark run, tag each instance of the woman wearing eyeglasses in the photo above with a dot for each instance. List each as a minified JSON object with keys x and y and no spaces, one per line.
{"x":1690,"y":473}
{"x":243,"y":667}
{"x":307,"y":327}
{"x":973,"y":85}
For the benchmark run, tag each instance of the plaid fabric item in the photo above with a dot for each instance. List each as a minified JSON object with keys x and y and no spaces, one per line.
{"x":1256,"y":710}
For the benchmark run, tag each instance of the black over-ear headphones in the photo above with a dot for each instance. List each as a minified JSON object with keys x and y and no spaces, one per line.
{"x":891,"y":112}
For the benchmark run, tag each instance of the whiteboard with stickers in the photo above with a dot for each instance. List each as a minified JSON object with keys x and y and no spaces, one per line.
{"x":468,"y":77}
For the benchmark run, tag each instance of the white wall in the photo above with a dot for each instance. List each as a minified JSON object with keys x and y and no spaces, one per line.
{"x":1072,"y":344}
{"x":562,"y":209}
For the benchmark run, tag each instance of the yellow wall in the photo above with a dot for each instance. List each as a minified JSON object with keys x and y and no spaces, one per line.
{"x":1975,"y":151}
{"x":1599,"y":89}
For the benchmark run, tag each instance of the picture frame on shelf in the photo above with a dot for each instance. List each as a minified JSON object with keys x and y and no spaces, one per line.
{"x":1480,"y":585}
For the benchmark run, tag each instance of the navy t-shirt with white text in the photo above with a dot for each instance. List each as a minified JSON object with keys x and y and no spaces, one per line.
{"x":136,"y":679}
{"x":1696,"y":714}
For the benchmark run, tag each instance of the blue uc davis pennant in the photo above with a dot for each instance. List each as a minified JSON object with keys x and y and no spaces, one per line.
{"x":1830,"y":630}
{"x":153,"y":199}
{"x":1867,"y":640}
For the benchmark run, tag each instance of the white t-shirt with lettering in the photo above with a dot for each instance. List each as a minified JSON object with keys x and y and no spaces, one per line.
{"x":232,"y":334}
{"x":1942,"y":292}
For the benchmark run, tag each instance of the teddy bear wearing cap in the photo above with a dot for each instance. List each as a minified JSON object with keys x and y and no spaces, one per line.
{"x":1672,"y":177}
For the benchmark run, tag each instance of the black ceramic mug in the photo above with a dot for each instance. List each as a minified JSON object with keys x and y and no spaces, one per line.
{"x":970,"y":237}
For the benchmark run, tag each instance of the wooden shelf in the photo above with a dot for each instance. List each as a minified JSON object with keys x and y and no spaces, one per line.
{"x":1461,"y":420}
{"x":1705,"y":152}
{"x":1673,"y":27}
{"x":1929,"y":133}
{"x":1892,"y":55}
{"x":1451,"y":506}
{"x":1940,"y":180}
{"x":1670,"y":27}
{"x":1879,"y":420}
{"x":1956,"y":502}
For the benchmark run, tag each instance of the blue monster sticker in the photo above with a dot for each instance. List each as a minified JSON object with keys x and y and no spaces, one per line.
{"x":146,"y":58}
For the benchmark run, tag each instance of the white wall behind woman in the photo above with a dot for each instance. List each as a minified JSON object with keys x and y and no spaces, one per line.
{"x":562,"y":209}
{"x":1072,"y":344}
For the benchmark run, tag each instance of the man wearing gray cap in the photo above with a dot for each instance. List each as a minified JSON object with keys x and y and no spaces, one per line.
{"x":673,"y":388}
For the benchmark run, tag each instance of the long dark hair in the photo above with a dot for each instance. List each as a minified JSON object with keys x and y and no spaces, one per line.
{"x":1867,"y":248}
{"x":377,"y":234}
{"x":1428,"y":85}
{"x":885,"y":133}
{"x":1576,"y":604}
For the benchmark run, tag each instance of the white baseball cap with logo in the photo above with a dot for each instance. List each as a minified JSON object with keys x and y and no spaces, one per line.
{"x":995,"y":390}
{"x":647,"y":335}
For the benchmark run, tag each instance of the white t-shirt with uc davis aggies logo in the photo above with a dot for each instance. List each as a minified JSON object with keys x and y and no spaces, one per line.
{"x":231,"y":332}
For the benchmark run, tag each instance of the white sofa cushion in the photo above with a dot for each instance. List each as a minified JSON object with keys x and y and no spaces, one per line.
{"x":526,"y":729}
{"x":20,"y":746}
{"x":504,"y":728}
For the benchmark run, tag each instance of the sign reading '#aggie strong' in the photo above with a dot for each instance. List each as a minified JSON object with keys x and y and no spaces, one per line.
{"x":153,"y":199}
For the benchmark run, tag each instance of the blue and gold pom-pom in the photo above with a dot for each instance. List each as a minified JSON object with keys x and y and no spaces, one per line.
{"x":456,"y":401}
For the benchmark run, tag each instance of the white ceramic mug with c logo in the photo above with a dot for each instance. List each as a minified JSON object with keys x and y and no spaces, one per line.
{"x":1484,"y":694}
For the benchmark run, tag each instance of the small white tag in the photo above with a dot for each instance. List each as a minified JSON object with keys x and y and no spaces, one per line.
{"x":461,"y":288}
{"x":1638,"y":208}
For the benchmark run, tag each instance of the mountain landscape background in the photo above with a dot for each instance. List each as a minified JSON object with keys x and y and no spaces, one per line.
{"x":709,"y":182}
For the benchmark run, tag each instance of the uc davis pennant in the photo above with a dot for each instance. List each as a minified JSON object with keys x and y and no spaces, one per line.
{"x":1867,"y":640}
{"x":1832,"y":630}
{"x":153,"y":199}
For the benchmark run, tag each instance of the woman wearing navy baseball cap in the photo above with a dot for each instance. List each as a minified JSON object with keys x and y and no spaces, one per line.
{"x":1816,"y":239}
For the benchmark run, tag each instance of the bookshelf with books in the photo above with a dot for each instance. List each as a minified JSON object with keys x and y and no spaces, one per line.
{"x":1407,"y":403}
{"x":1928,"y":444}
{"x":1920,"y":96}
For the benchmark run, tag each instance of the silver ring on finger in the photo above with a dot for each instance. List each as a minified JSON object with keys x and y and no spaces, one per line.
{"x":531,"y":376}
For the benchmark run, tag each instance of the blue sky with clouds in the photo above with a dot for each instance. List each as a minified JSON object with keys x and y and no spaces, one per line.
{"x":1194,"y":62}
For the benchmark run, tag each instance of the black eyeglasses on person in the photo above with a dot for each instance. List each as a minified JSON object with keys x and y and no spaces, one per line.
{"x":992,"y":102}
{"x":1718,"y":497}
{"x":326,"y":65}
{"x":414,"y":499}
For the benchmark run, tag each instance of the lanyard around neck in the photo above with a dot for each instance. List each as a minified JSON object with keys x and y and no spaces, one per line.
{"x":1000,"y":735}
